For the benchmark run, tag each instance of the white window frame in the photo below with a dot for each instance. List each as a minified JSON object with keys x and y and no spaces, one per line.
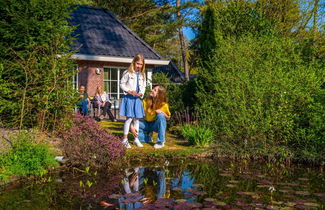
{"x":120,"y":69}
{"x":75,"y":78}
{"x":149,"y":77}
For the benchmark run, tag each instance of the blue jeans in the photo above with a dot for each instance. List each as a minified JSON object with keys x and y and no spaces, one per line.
{"x":83,"y":107}
{"x":162,"y":184}
{"x":159,"y":126}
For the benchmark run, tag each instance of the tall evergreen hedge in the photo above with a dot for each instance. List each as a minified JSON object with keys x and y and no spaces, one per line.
{"x":255,"y":90}
{"x":36,"y":69}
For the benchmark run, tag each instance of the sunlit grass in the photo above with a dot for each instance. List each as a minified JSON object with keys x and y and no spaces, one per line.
{"x":172,"y":144}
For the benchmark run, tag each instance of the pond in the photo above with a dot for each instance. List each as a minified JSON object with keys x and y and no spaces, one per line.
{"x":174,"y":185}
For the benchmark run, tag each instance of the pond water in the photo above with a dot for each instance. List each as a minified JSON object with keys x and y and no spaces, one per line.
{"x":179,"y":185}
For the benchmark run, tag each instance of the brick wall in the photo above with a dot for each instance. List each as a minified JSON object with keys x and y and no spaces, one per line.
{"x":87,"y":74}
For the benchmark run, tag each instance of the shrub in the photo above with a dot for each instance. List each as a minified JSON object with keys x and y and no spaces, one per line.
{"x":33,"y":33}
{"x":26,"y":157}
{"x":182,"y":99}
{"x":86,"y":144}
{"x":197,"y":136}
{"x":259,"y":93}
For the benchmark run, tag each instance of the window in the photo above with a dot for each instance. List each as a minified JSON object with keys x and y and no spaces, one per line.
{"x":112,"y":77}
{"x":75,"y":78}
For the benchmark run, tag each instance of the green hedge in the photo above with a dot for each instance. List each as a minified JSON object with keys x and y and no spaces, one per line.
{"x":258,"y":93}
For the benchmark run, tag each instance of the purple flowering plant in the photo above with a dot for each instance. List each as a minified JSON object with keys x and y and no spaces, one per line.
{"x":86,"y":144}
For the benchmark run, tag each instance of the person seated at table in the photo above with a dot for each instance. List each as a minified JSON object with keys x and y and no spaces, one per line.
{"x":102,"y":101}
{"x":83,"y":100}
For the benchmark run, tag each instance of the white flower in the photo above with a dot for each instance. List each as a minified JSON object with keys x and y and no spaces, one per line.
{"x":272,"y":189}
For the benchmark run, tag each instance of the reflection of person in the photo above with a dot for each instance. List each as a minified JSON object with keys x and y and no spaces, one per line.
{"x":133,"y":182}
{"x":161,"y":183}
{"x":133,"y":84}
{"x":83,"y":100}
{"x":132,"y":198}
{"x":156,"y":113}
{"x":102,"y":100}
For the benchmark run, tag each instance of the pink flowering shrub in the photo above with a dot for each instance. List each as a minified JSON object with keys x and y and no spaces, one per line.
{"x":86,"y":144}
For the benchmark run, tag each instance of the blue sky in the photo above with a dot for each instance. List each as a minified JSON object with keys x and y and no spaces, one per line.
{"x":188,"y":33}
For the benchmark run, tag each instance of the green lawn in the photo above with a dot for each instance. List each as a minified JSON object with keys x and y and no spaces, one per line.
{"x":172,"y":143}
{"x":174,"y":147}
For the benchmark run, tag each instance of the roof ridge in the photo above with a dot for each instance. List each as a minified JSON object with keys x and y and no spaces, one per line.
{"x":178,"y":71}
{"x":130,"y":31}
{"x":87,"y":6}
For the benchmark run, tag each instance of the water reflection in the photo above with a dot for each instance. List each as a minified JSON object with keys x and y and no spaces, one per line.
{"x":132,"y":198}
{"x":177,"y":186}
{"x":145,"y":185}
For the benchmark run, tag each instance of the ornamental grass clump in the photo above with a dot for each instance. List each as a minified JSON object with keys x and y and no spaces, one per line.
{"x":197,"y":136}
{"x":86,"y":144}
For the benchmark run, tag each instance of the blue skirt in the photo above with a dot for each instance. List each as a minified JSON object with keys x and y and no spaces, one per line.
{"x":131,"y":107}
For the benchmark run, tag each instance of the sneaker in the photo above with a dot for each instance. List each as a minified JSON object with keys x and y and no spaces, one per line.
{"x":126,"y":144}
{"x":159,"y":145}
{"x":137,"y":143}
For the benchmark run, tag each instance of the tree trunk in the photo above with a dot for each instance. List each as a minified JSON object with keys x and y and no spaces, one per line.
{"x":183,"y":46}
{"x":314,"y":28}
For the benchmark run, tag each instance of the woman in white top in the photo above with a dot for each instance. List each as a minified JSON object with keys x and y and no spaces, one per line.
{"x":102,"y":100}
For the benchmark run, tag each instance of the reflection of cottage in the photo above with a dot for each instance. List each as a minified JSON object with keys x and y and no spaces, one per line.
{"x":105,"y":48}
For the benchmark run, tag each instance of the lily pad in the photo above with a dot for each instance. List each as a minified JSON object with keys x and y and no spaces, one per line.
{"x":243,"y":205}
{"x":277,"y":202}
{"x":198,"y":185}
{"x":114,"y":196}
{"x":194,"y":204}
{"x":264,"y":182}
{"x":262,"y":186}
{"x":210,"y":199}
{"x":292,"y":184}
{"x":180,"y":200}
{"x":219,"y":203}
{"x":286,"y":191}
{"x":301,"y":206}
{"x":303,"y":179}
{"x":234,"y":181}
{"x":291,"y":204}
{"x":196,"y":193}
{"x":246,"y":193}
{"x":302,"y":193}
{"x":311,"y":204}
{"x":224,"y":174}
{"x":320,"y":194}
{"x":272,"y":207}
